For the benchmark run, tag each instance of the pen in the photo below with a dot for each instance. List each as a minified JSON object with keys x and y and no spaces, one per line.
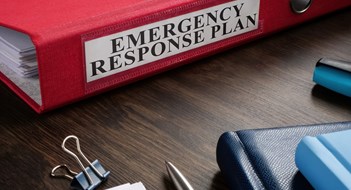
{"x":178,"y":179}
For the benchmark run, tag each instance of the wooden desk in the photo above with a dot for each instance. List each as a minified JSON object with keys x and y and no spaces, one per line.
{"x":179,"y":115}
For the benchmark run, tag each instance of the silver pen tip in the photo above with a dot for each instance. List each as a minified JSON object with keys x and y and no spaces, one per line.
{"x":178,"y":179}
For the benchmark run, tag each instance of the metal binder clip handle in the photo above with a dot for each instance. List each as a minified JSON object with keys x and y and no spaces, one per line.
{"x":69,"y":173}
{"x":78,"y":160}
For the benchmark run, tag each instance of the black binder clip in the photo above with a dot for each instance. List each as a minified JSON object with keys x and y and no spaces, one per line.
{"x":91,"y":176}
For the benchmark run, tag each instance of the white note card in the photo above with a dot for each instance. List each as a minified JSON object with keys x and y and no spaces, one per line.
{"x":128,"y":186}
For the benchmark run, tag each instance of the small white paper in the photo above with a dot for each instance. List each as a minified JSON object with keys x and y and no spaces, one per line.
{"x":128,"y":186}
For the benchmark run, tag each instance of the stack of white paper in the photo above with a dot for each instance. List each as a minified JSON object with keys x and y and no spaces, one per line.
{"x":128,"y":186}
{"x":17,"y":52}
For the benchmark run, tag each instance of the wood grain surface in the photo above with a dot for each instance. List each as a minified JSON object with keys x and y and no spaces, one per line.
{"x":179,"y":115}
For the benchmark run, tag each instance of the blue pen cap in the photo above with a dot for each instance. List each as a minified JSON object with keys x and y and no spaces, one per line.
{"x":334,"y":75}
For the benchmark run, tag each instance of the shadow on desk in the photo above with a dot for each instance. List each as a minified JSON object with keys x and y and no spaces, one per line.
{"x":331,"y":97}
{"x":218,"y":183}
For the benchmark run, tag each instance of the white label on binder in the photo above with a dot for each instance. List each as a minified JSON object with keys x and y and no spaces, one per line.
{"x":132,"y":48}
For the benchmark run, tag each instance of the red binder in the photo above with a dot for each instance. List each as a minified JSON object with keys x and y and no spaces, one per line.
{"x":86,"y":47}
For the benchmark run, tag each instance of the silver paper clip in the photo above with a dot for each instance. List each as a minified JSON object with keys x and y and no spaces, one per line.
{"x":90,"y":177}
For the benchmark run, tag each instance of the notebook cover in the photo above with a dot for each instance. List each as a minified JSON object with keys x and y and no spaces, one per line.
{"x":59,"y":29}
{"x":265,"y":158}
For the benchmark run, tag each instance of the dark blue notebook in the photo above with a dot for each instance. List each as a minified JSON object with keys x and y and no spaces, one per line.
{"x":265,"y":158}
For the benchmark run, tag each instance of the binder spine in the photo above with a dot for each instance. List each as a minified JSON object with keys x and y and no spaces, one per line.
{"x":175,"y":37}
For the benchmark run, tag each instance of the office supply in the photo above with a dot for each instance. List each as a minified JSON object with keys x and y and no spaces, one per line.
{"x":128,"y":186}
{"x":179,"y":181}
{"x":90,"y":177}
{"x":325,"y":160}
{"x":265,"y":158}
{"x":334,"y":75}
{"x":96,"y":46}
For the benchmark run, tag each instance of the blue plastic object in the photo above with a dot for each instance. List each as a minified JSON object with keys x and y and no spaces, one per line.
{"x":325,"y":160}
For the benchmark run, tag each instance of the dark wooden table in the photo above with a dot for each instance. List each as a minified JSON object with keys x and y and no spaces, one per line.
{"x":179,"y":115}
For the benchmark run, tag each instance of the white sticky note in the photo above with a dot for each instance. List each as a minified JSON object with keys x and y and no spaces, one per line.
{"x":128,"y":186}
